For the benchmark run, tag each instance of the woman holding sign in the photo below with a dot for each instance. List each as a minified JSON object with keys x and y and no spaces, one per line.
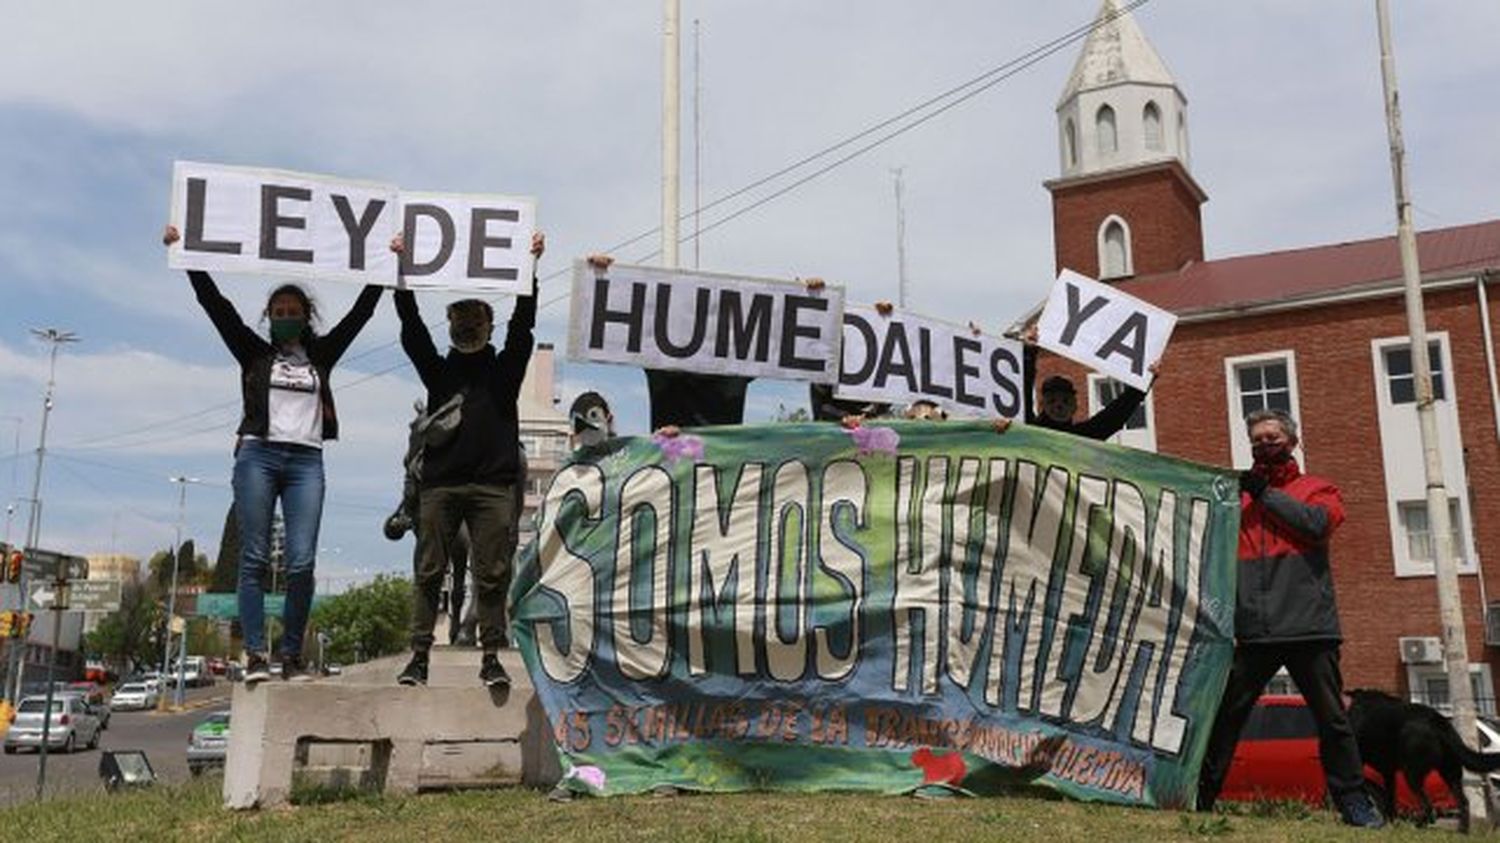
{"x":288,"y":414}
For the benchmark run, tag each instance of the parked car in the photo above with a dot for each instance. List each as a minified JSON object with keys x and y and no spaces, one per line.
{"x":1277,"y":758}
{"x":135,"y":696}
{"x":98,"y":709}
{"x":208,"y":743}
{"x":74,"y":724}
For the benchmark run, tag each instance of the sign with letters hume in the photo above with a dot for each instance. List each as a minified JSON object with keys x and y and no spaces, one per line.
{"x":1104,"y":328}
{"x":904,"y":605}
{"x":276,"y":222}
{"x":703,"y":322}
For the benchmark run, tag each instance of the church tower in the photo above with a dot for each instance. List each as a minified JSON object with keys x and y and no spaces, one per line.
{"x":1126,"y":203}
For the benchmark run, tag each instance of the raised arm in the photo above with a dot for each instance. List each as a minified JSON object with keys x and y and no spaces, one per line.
{"x":415,"y":339}
{"x":337,"y":341}
{"x":242,"y":342}
{"x":519,"y":336}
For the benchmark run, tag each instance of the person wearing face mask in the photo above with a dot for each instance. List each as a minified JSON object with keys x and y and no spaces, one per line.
{"x":471,"y":478}
{"x":591,"y":422}
{"x":287,"y":416}
{"x":1059,"y":400}
{"x":1285,"y":614}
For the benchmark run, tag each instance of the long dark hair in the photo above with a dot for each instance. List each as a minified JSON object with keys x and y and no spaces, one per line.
{"x":309,"y":307}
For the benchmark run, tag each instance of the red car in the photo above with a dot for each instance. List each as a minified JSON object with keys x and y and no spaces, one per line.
{"x":1277,"y":758}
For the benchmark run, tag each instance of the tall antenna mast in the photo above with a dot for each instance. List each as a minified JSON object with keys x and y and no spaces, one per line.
{"x":900,"y":238}
{"x":697,"y":153}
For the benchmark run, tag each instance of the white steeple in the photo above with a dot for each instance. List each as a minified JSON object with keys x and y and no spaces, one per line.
{"x":1120,"y":106}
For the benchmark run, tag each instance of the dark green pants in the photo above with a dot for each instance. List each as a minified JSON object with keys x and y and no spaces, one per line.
{"x":489,"y":511}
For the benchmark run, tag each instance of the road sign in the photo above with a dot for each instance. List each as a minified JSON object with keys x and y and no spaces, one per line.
{"x":45,"y":564}
{"x":80,"y":596}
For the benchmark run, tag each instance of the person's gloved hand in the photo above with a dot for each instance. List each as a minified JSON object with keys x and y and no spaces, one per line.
{"x":397,"y":525}
{"x":1253,"y":482}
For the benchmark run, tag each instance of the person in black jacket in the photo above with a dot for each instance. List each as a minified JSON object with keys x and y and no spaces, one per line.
{"x":1059,"y":400}
{"x":288,"y":413}
{"x":473,"y":477}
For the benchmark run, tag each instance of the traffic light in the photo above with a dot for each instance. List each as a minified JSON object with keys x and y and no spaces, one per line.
{"x":12,"y":570}
{"x":7,"y":624}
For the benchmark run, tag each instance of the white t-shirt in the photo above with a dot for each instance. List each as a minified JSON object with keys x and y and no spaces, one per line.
{"x":295,"y":407}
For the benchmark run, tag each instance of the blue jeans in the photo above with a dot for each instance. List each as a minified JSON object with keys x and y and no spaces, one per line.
{"x":263,"y":472}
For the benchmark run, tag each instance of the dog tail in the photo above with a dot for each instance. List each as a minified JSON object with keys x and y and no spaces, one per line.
{"x":1479,"y":762}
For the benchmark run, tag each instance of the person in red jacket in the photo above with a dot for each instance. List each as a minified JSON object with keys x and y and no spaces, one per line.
{"x":1285,"y":614}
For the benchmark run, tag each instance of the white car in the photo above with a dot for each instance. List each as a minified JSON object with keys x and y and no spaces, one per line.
{"x":73,"y":725}
{"x":134,"y":696}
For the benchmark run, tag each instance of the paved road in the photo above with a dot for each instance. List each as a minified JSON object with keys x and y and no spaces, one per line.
{"x":163,"y":737}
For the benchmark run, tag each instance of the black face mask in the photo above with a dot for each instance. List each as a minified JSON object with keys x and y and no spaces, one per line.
{"x":1270,"y":454}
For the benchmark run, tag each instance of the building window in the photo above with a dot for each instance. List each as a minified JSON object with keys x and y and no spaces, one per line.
{"x":1263,"y":386}
{"x":1114,"y":249}
{"x":1104,"y":123}
{"x":1070,"y":138}
{"x":1107,"y":390}
{"x":1429,"y":686}
{"x":1420,"y":548}
{"x":1400,"y":376}
{"x":1151,"y":118}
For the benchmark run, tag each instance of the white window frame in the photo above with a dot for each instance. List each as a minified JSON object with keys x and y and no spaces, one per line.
{"x":1143,"y":439}
{"x":1239,"y":439}
{"x":1406,"y":565}
{"x":1070,"y":142}
{"x":1129,"y":252}
{"x":1151,"y":108}
{"x":1107,"y":152}
{"x":1418,"y":674}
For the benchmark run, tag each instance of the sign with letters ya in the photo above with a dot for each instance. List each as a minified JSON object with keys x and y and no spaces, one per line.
{"x":276,"y":222}
{"x":900,"y":357}
{"x":1104,"y":328}
{"x":703,"y":322}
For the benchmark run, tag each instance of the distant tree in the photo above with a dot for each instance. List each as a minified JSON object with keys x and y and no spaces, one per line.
{"x":203,"y":638}
{"x":800,"y":414}
{"x":129,"y":637}
{"x":226,"y":578}
{"x":371,"y":620}
{"x":192,"y":567}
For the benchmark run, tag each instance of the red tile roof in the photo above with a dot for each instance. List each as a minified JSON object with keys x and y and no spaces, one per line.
{"x":1295,"y":274}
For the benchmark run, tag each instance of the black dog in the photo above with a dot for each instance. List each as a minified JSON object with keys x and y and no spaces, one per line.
{"x":1415,"y":739}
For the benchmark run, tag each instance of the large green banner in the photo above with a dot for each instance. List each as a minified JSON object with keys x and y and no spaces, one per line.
{"x":903,"y":606}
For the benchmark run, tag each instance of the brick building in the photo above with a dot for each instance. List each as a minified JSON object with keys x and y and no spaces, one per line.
{"x":1318,"y":331}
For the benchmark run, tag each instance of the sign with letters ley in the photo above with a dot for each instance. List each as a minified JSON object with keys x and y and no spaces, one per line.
{"x":1104,"y":328}
{"x":276,"y":222}
{"x":703,"y":322}
{"x":899,"y":357}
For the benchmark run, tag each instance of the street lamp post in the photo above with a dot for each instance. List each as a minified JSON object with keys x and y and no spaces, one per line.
{"x":166,"y":651}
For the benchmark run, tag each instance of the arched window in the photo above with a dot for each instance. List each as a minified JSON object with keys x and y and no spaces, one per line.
{"x":1104,"y":123}
{"x":1070,"y":138}
{"x":1151,"y":118}
{"x":1182,"y":147}
{"x":1114,"y":249}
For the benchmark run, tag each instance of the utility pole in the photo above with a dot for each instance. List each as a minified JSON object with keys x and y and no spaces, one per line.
{"x":56,"y":339}
{"x":898,"y":172}
{"x":166,"y":650}
{"x":10,"y":500}
{"x":671,"y":106}
{"x":1450,"y":606}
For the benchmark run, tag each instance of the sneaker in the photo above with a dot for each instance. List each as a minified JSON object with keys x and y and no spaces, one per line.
{"x":491,"y":673}
{"x":293,"y":670}
{"x":257,"y":669}
{"x":415,"y":672}
{"x":1356,"y":809}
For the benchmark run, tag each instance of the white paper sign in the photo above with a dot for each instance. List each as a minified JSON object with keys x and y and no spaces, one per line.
{"x":1103,"y":328}
{"x":903,"y":357}
{"x":277,"y":222}
{"x":705,"y":322}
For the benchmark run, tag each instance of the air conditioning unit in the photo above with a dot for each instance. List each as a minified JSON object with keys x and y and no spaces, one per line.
{"x":1421,"y":650}
{"x":1492,"y":625}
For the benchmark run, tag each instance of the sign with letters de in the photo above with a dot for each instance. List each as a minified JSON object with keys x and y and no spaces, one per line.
{"x":283,"y":223}
{"x":899,"y":606}
{"x":1104,"y":328}
{"x":704,"y":322}
{"x":902,"y":357}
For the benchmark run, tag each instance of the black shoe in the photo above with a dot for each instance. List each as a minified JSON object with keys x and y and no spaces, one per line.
{"x":293,"y":670}
{"x":415,"y":672}
{"x":257,"y":669}
{"x":491,"y":673}
{"x":1356,"y":809}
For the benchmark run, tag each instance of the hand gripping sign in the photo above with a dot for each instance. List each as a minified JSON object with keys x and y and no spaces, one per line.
{"x":1104,"y":328}
{"x":276,"y":222}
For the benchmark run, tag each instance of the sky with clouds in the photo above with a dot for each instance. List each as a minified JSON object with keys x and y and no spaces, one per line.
{"x":561,"y":101}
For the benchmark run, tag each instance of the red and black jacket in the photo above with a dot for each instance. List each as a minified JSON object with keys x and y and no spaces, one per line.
{"x":1285,"y":584}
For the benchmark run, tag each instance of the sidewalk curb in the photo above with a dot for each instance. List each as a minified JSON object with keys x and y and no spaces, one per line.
{"x":195,"y":705}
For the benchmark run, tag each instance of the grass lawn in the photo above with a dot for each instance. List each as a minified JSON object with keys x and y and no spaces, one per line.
{"x":193,"y":812}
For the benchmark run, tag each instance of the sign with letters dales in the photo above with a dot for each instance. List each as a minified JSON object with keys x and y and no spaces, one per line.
{"x":905,"y":605}
{"x":276,"y":222}
{"x":1104,"y":328}
{"x":704,"y":322}
{"x":902,"y":357}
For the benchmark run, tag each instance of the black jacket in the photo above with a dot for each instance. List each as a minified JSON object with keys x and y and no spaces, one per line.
{"x":485,"y":447}
{"x":255,"y":353}
{"x":1101,"y":425}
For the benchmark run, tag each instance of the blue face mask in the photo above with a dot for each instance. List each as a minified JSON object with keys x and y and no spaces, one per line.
{"x":287,"y":330}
